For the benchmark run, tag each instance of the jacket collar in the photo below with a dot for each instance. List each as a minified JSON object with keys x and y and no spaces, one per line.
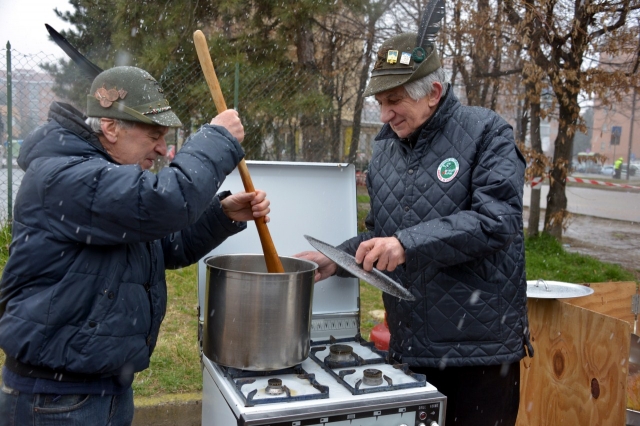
{"x":73,"y":120}
{"x":79,"y":139}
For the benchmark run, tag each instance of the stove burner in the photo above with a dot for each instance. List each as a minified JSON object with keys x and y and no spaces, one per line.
{"x":274,"y":387}
{"x":372,"y":377}
{"x":341,"y":356}
{"x":341,"y":352}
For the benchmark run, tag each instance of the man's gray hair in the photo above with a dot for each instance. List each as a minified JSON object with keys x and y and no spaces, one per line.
{"x":420,"y":88}
{"x":94,"y":123}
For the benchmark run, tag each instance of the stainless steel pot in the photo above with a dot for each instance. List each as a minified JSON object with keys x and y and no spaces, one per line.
{"x":256,"y":320}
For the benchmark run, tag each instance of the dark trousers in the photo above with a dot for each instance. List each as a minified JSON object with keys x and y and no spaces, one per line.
{"x":617,"y":173}
{"x":478,"y":396}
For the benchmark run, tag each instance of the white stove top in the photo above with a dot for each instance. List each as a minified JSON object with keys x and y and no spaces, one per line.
{"x":338,"y":394}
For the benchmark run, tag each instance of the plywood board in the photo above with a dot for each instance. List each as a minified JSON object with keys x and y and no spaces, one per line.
{"x":612,"y":299}
{"x":579,"y":371}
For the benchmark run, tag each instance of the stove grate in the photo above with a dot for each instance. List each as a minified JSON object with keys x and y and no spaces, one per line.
{"x":420,"y":380}
{"x":241,"y":378}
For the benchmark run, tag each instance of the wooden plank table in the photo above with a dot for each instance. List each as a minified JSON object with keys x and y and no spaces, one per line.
{"x":578,"y":374}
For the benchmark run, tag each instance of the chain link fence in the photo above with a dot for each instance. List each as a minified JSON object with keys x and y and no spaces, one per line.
{"x":287,"y":114}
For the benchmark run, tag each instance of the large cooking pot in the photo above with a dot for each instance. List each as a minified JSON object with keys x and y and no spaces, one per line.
{"x":255,"y":320}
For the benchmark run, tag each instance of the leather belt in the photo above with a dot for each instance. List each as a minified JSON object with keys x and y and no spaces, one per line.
{"x":27,"y":370}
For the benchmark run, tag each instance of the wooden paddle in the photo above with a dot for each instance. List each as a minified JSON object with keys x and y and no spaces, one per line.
{"x":270,"y":254}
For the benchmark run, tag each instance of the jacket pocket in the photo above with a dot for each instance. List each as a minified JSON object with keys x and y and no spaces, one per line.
{"x":462,"y":308}
{"x":59,"y":404}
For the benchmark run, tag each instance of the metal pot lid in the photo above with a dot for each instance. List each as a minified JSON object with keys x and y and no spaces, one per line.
{"x":373,"y":277}
{"x":542,"y":289}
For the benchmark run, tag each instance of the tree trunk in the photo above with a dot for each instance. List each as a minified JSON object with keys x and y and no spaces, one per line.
{"x":557,"y":199}
{"x":310,"y":123}
{"x":362,"y":84}
{"x":536,"y":146}
{"x":357,"y":111}
{"x":305,"y":49}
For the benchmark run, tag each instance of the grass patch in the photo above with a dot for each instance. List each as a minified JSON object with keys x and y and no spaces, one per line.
{"x":362,"y":215}
{"x":547,"y":259}
{"x":175,"y":364}
{"x":5,"y":240}
{"x":370,"y":300}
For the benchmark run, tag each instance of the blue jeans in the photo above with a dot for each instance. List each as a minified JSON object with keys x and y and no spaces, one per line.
{"x":19,"y":409}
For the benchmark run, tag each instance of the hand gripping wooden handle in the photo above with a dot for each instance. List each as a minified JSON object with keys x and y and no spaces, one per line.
{"x":270,"y":254}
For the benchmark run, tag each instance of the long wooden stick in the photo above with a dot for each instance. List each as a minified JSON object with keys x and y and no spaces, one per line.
{"x":270,"y":254}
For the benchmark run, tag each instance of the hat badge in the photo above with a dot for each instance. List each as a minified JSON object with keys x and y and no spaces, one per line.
{"x":107,"y":97}
{"x":392,"y":56}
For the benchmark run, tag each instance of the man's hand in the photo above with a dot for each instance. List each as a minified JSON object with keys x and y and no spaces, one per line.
{"x":387,"y":252}
{"x":326,"y":267}
{"x":230,"y":120}
{"x":245,"y":206}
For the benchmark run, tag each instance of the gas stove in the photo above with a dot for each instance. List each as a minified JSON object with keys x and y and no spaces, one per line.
{"x":345,"y":380}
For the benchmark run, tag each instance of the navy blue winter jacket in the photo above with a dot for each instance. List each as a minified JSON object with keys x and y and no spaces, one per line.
{"x":454,"y":201}
{"x":84,"y":289}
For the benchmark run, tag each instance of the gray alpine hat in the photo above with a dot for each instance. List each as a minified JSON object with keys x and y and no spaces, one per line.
{"x":130,"y":93}
{"x":401,"y":61}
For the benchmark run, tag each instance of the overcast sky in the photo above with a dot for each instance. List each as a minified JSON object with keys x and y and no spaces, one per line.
{"x":22,"y":24}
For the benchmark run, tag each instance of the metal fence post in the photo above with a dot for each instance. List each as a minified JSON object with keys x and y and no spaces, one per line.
{"x":9,"y":138}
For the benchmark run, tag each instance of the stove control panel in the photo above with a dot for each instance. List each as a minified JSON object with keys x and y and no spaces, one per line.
{"x":419,"y":415}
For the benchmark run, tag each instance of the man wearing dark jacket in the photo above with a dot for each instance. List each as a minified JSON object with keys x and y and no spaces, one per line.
{"x":445,"y":183}
{"x":83,"y":292}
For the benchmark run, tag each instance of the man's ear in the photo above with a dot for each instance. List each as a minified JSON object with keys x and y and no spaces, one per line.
{"x":109,"y":129}
{"x":436,"y":94}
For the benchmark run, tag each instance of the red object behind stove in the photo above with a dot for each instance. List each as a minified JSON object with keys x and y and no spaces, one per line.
{"x":380,"y":335}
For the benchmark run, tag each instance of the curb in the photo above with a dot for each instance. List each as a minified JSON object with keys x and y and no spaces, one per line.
{"x":168,"y":410}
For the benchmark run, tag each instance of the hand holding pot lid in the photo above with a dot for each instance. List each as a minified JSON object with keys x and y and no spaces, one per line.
{"x":348,"y":262}
{"x":384,"y":254}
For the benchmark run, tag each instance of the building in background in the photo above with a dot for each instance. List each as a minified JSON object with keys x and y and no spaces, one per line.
{"x":615,"y":127}
{"x":612,"y":127}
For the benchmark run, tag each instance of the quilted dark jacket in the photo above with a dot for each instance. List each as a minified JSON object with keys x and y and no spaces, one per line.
{"x":84,"y":288}
{"x":463,"y":238}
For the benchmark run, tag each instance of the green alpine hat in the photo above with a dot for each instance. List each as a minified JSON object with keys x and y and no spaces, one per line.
{"x":130,"y":93}
{"x":401,"y":61}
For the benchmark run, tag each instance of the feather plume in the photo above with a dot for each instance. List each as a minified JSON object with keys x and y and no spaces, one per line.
{"x":430,"y":24}
{"x":90,"y":69}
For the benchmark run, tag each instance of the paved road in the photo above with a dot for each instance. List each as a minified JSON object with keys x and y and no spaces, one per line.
{"x":596,"y":202}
